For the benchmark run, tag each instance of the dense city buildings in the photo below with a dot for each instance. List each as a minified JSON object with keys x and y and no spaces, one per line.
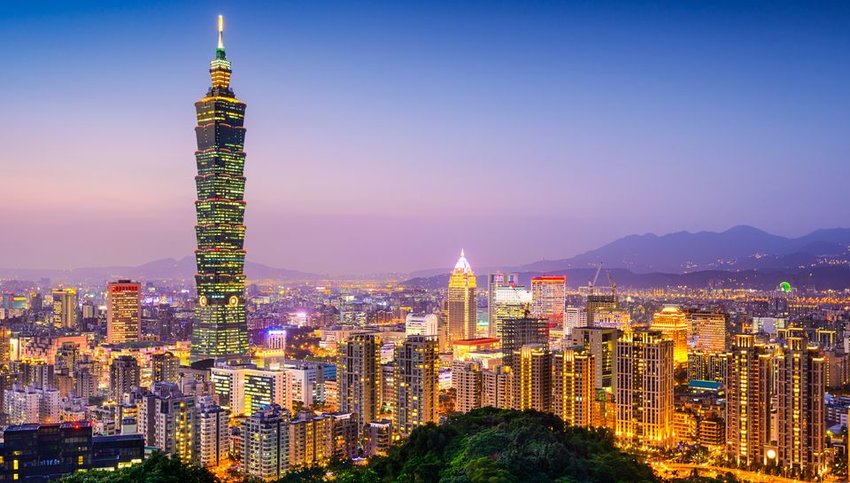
{"x":124,"y":312}
{"x":220,"y":329}
{"x":462,"y":305}
{"x":255,"y":378}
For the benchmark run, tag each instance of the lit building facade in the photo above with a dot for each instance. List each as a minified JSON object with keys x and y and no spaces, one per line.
{"x":462,"y":304}
{"x":748,"y":401}
{"x":265,"y":443}
{"x":65,"y":308}
{"x":123,"y":312}
{"x":673,"y":323}
{"x":359,"y":376}
{"x":220,"y":328}
{"x":801,"y":419}
{"x":422,"y":324}
{"x":549,"y":298}
{"x":533,"y":378}
{"x":417,"y":370}
{"x":519,"y":332}
{"x":214,"y":433}
{"x":574,"y":387}
{"x":643,"y":387}
{"x":169,"y":421}
{"x":709,"y":331}
{"x":245,"y":390}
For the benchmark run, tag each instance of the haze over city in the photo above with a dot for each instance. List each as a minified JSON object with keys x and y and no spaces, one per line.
{"x":386,"y":136}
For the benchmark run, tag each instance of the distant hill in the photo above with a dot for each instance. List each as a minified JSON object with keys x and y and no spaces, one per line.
{"x":739,"y":248}
{"x":821,"y":278}
{"x":163,"y":269}
{"x":742,"y":256}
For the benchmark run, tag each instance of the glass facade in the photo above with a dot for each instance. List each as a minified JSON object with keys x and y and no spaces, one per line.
{"x":220,"y":329}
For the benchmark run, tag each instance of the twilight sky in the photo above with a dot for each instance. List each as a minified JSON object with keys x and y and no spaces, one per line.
{"x":386,"y":135}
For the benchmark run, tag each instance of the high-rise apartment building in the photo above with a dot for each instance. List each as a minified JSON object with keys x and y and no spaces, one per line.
{"x":422,"y":324}
{"x":245,"y":389}
{"x":123,"y":312}
{"x":748,"y":412}
{"x":643,"y":387}
{"x":519,"y":332}
{"x":673,"y":323}
{"x":497,"y":386}
{"x":265,"y":443}
{"x":123,"y":376}
{"x":310,"y":440}
{"x":214,"y":433}
{"x":359,"y":376}
{"x":709,"y":331}
{"x":801,"y":420}
{"x":164,"y":367}
{"x":573,"y":318}
{"x":507,"y":302}
{"x":574,"y":387}
{"x":30,"y":404}
{"x":220,"y":328}
{"x":417,"y":371}
{"x":533,"y":378}
{"x":462,"y":304}
{"x":597,"y":301}
{"x":467,"y":381}
{"x":169,"y":421}
{"x":65,"y":308}
{"x":549,"y":298}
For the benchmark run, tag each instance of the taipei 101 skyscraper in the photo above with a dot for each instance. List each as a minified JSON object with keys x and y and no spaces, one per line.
{"x":220,"y":330}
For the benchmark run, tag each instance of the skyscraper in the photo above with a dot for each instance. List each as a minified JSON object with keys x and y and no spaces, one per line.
{"x":65,"y":308}
{"x":220,"y":329}
{"x":549,"y":298}
{"x":507,"y":301}
{"x":169,"y":420}
{"x":265,"y":440}
{"x":671,"y":321}
{"x":533,"y":378}
{"x":462,"y":305}
{"x":123,"y":376}
{"x":801,"y":425}
{"x":519,"y":332}
{"x":574,"y":387}
{"x":416,"y":378}
{"x":123,"y":312}
{"x":643,"y":387}
{"x":709,"y":330}
{"x":360,"y":377}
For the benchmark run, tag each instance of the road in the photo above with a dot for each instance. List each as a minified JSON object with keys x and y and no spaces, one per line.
{"x":668,"y":470}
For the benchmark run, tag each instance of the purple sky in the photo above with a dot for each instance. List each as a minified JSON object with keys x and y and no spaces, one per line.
{"x":386,"y":137}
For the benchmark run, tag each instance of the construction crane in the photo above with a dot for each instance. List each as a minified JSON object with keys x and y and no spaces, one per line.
{"x":592,"y":284}
{"x":611,"y":282}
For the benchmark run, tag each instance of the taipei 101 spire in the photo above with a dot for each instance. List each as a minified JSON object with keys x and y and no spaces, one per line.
{"x":220,"y":330}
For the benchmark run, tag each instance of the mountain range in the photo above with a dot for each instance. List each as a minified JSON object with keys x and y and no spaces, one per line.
{"x":740,"y":256}
{"x":163,"y":269}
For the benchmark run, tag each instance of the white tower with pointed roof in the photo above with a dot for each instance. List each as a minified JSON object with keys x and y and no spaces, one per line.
{"x":461,"y":307}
